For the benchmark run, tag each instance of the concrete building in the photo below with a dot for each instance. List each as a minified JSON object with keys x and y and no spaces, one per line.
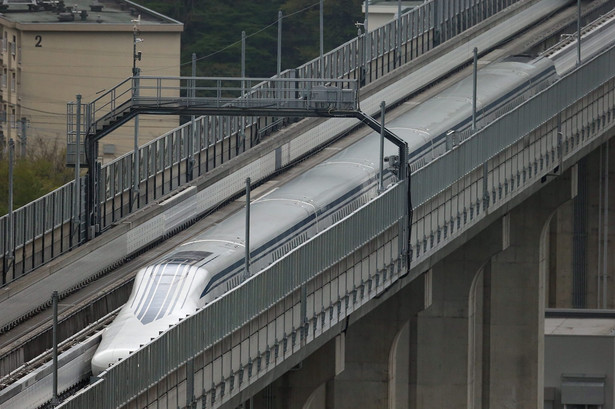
{"x":50,"y":53}
{"x":579,"y":359}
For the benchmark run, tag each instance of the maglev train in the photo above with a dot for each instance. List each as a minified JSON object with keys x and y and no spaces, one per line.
{"x":204,"y":268}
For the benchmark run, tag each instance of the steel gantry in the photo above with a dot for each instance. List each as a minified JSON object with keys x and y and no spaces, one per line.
{"x":244,"y":97}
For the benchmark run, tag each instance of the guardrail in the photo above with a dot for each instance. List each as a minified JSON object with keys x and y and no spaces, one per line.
{"x":220,"y":95}
{"x":176,"y":157}
{"x":538,"y":136}
{"x":200,"y":331}
{"x":553,"y":126}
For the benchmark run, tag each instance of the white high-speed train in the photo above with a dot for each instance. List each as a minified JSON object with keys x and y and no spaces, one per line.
{"x":198,"y":271}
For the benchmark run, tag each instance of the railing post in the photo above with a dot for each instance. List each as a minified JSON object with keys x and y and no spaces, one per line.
{"x":474,"y":88}
{"x":381,"y":156}
{"x":10,"y":223}
{"x":54,"y":300}
{"x":247,"y":238}
{"x":578,"y":32}
{"x":134,"y":197}
{"x":76,"y":185}
{"x":192,"y":134}
{"x":279,"y":42}
{"x":322,"y":61}
{"x":485,"y":185}
{"x":398,"y":59}
{"x":92,"y":193}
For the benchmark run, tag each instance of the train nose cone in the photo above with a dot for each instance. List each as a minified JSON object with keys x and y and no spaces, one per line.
{"x":104,"y":359}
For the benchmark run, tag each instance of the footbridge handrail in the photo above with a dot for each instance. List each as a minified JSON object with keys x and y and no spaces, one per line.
{"x":219,"y":96}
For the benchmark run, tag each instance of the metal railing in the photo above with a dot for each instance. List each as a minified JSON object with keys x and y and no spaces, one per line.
{"x":200,"y":331}
{"x":164,"y":162}
{"x":224,"y":96}
{"x":509,"y":155}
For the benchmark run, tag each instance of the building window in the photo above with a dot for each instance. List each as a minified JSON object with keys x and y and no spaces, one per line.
{"x":12,"y":119}
{"x":4,"y":76}
{"x":4,"y":40}
{"x":12,"y":81}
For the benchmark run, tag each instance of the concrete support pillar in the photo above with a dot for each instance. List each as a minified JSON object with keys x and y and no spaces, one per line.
{"x":480,"y":343}
{"x":446,"y":338}
{"x":375,"y":369}
{"x":514,"y":300}
{"x":559,"y":283}
{"x":304,"y":386}
{"x":377,"y":372}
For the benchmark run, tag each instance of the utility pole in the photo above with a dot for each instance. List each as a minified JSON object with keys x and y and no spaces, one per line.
{"x":366,"y":40}
{"x":322,"y":46}
{"x":247,"y":238}
{"x":381,"y":156}
{"x":24,"y":137}
{"x":243,"y":63}
{"x":474,"y":88}
{"x":279,"y":42}
{"x":398,"y":33}
{"x":135,"y":73}
{"x":367,"y":53}
{"x":578,"y":32}
{"x":192,"y":135}
{"x":77,"y":184}
{"x":54,"y":301}
{"x":10,"y":228}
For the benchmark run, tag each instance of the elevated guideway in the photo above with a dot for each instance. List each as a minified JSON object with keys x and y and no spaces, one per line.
{"x":203,"y":194}
{"x":237,"y":345}
{"x":56,"y":224}
{"x":390,"y":90}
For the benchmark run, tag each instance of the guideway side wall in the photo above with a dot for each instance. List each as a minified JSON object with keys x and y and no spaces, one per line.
{"x":471,"y":328}
{"x":582,"y":265}
{"x":480,"y":343}
{"x":357,"y":367}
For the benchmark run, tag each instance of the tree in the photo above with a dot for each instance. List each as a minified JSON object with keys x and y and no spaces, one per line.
{"x":212,"y":30}
{"x":40,"y":172}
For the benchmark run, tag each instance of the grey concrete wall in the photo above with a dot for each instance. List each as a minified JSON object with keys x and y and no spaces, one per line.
{"x":442,"y":344}
{"x":513,"y":351}
{"x":356,"y":369}
{"x":561,"y":269}
{"x":596,"y":226}
{"x":480,"y":343}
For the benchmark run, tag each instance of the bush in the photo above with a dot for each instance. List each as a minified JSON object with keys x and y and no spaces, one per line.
{"x":40,"y":172}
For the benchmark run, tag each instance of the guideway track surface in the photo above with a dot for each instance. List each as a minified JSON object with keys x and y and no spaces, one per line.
{"x":129,"y":220}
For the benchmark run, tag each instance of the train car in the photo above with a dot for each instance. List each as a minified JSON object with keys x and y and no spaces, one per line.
{"x":212,"y":263}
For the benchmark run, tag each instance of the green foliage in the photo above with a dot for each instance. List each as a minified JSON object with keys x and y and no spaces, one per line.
{"x":212,"y":30}
{"x":40,"y":172}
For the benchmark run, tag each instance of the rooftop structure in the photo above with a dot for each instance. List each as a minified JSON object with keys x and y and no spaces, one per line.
{"x":383,"y":11}
{"x":579,"y":359}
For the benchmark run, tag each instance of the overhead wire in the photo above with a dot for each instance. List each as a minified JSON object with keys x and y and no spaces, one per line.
{"x":239,"y":41}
